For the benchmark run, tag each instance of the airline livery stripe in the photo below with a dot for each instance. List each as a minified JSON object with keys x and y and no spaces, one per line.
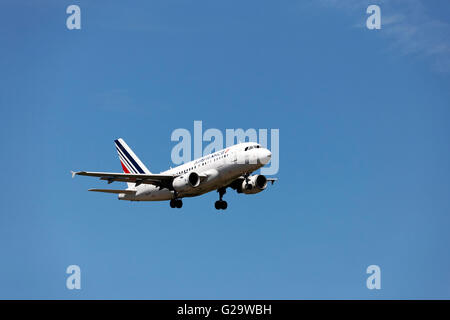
{"x":125,"y":161}
{"x":125,"y":169}
{"x":125,"y":152}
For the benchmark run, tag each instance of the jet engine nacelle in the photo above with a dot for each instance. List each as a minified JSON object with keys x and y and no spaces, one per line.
{"x":186,"y":182}
{"x":255,"y":184}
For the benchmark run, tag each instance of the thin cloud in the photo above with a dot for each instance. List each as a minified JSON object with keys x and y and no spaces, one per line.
{"x":409,"y":26}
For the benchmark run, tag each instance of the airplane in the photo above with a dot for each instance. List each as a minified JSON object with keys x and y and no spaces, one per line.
{"x":227,"y":168}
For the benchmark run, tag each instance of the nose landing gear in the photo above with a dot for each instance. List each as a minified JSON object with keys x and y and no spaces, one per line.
{"x":221,"y":204}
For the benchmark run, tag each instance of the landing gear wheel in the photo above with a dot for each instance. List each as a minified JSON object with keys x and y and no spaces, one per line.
{"x":176,"y":203}
{"x":220,"y":204}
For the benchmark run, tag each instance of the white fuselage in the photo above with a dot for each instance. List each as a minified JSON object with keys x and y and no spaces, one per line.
{"x":218,"y":170}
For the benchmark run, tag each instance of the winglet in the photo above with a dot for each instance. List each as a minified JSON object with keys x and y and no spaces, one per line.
{"x":73,"y":174}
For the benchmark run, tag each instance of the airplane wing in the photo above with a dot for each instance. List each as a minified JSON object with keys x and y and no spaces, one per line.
{"x":114,"y":191}
{"x":272,"y":180}
{"x":160,"y":180}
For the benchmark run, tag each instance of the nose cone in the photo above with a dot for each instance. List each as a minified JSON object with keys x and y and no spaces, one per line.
{"x":264,"y":155}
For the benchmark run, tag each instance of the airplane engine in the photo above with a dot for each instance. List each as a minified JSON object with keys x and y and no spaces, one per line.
{"x":186,"y":182}
{"x":255,"y":184}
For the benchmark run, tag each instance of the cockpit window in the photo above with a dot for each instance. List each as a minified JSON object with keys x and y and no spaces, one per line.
{"x":252,"y":147}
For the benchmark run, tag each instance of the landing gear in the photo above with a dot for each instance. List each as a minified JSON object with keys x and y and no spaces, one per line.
{"x":248,"y":186}
{"x":176,"y":203}
{"x":221,"y":204}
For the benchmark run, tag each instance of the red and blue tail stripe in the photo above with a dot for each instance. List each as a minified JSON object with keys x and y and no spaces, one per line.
{"x":129,"y":161}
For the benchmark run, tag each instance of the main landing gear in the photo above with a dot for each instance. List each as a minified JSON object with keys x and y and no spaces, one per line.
{"x":176,"y":203}
{"x":221,"y":204}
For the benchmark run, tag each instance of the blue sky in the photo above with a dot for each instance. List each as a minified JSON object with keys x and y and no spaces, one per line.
{"x":364,"y":159}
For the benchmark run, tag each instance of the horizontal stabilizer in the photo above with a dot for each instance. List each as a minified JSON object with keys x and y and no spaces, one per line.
{"x":114,"y":191}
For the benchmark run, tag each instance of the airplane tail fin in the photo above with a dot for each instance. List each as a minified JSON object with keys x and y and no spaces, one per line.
{"x":129,"y":160}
